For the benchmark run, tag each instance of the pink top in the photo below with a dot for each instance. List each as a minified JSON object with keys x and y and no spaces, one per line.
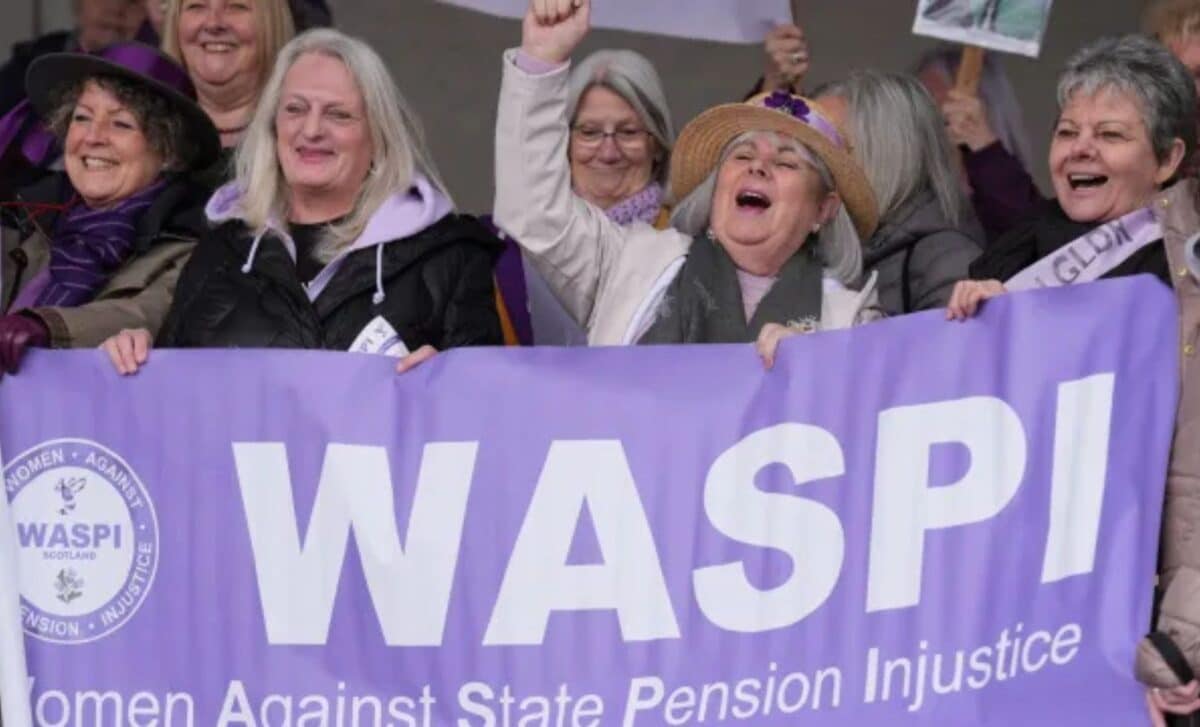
{"x":754,"y":288}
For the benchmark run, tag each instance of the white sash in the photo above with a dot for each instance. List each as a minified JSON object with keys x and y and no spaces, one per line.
{"x":1087,"y":258}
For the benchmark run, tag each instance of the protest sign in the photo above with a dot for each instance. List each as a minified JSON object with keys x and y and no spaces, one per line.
{"x":728,"y":21}
{"x":915,"y":522}
{"x":1012,"y":26}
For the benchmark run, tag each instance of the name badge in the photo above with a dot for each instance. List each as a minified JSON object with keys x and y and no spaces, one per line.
{"x":378,"y":337}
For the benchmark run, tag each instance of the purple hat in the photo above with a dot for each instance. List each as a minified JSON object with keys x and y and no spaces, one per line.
{"x":143,"y":65}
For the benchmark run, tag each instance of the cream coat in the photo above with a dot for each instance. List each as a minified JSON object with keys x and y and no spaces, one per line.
{"x":608,"y":277}
{"x":1179,"y":576}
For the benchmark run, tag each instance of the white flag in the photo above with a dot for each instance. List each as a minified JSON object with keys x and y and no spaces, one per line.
{"x":14,"y":697}
{"x":728,"y":21}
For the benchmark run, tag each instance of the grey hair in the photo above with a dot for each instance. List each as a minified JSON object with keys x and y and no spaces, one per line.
{"x":1144,"y":69}
{"x":899,"y":138}
{"x":632,"y":77}
{"x":838,"y":245}
{"x":159,"y":120}
{"x":397,"y":141}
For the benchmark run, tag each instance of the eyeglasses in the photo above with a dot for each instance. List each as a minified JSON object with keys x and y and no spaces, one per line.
{"x":625,"y":137}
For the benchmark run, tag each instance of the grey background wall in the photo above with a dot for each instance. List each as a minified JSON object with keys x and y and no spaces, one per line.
{"x":447,"y":62}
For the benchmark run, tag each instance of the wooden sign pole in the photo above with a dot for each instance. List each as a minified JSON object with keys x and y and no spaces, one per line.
{"x":970,"y":68}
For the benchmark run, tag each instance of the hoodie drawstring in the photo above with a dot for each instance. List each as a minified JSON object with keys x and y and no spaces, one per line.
{"x":253,"y":251}
{"x":379,"y":296}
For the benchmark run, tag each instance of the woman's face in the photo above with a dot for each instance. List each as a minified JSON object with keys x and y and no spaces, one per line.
{"x":611,"y":152}
{"x":219,"y":41}
{"x":100,"y":23}
{"x":106,"y":153}
{"x":1102,"y":162}
{"x":768,"y":199}
{"x":322,"y":137}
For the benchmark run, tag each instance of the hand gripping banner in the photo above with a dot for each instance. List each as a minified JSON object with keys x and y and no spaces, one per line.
{"x":915,"y":522}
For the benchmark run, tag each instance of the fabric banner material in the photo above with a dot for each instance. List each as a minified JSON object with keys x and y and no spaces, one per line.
{"x":1086,"y":258}
{"x":916,"y":522}
{"x":728,"y":21}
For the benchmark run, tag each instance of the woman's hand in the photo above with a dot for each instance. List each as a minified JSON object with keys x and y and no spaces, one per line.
{"x":768,"y":341}
{"x":553,"y":28}
{"x":128,"y":350}
{"x":787,"y":58}
{"x":968,"y":295}
{"x":966,"y":121}
{"x":17,"y":333}
{"x":416,"y":358}
{"x":1176,"y":700}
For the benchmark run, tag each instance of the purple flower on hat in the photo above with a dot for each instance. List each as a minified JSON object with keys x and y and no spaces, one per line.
{"x":788,"y":104}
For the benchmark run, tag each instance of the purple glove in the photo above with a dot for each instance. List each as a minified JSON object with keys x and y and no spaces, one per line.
{"x":18,"y":332}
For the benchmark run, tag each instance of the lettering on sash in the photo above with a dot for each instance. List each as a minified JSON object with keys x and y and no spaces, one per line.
{"x":1089,"y":257}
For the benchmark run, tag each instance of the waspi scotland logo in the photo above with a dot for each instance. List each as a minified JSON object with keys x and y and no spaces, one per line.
{"x":88,"y":539}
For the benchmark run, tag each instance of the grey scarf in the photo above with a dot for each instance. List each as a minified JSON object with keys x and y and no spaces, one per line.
{"x":703,"y":304}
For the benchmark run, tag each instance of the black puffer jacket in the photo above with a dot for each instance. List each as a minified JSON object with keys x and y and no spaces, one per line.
{"x":437,"y":285}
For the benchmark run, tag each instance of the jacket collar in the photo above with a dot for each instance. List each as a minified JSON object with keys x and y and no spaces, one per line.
{"x":402,"y":215}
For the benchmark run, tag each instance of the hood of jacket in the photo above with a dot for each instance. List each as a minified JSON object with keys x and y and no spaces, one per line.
{"x":401,"y":215}
{"x":913,"y":222}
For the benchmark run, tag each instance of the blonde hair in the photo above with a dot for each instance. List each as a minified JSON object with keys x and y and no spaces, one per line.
{"x":273,"y":22}
{"x":397,"y":142}
{"x":1169,"y":20}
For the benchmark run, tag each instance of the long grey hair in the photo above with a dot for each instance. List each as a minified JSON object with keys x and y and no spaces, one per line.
{"x":632,"y":77}
{"x":900,"y":140}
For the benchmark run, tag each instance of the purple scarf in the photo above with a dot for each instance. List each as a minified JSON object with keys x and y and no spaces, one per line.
{"x":641,"y":207}
{"x":87,"y":246}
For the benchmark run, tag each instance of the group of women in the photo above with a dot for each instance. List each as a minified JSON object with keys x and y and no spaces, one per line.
{"x":248,"y":188}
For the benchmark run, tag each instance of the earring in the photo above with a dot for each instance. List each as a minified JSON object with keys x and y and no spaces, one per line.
{"x":816,"y":228}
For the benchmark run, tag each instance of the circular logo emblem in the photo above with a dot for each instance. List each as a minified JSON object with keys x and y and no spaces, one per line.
{"x":88,"y":539}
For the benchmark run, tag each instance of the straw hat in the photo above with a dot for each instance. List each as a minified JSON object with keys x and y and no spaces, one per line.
{"x":700,"y":145}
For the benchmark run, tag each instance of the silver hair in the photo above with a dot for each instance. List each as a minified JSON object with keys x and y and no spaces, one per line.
{"x":995,"y":91}
{"x":632,"y":77}
{"x":397,"y":140}
{"x":838,"y":245}
{"x":1144,"y":69}
{"x":900,"y":140}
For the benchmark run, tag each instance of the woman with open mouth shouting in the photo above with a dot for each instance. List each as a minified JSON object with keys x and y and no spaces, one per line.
{"x":771,"y":207}
{"x":1126,"y":122}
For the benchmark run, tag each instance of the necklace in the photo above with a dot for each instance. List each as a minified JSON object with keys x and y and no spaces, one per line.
{"x":233,"y":130}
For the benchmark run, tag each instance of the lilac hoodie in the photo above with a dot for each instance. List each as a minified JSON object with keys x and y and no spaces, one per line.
{"x":401,"y":215}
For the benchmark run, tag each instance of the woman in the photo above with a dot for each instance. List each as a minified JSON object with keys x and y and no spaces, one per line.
{"x":989,"y":130}
{"x":98,"y":24}
{"x":1127,"y":116}
{"x":337,"y":232}
{"x":927,"y":235}
{"x":766,"y":246}
{"x":130,"y":132}
{"x":228,"y":48}
{"x":619,"y":152}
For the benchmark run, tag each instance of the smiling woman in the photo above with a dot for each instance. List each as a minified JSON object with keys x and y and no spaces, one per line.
{"x":337,"y":232}
{"x":619,"y":151}
{"x":109,"y":258}
{"x":228,"y":48}
{"x":1127,"y":120}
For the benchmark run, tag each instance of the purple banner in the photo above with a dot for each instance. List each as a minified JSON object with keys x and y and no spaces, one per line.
{"x":916,"y":522}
